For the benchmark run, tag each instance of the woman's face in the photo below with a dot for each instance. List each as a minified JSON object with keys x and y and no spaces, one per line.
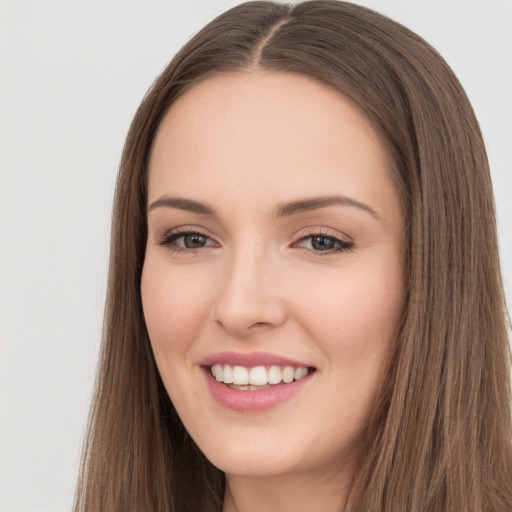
{"x":274,"y":250}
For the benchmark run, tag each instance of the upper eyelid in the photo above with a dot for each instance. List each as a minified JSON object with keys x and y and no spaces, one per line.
{"x":305,"y":232}
{"x":332,"y":233}
{"x":175,"y":235}
{"x":185,"y":230}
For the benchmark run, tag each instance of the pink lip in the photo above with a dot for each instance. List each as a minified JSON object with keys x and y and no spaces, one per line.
{"x":252,"y":401}
{"x":250,"y":360}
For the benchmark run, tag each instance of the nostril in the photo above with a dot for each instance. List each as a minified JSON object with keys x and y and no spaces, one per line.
{"x":259,"y":325}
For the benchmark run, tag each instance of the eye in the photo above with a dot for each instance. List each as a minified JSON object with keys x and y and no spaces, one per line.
{"x":320,"y":242}
{"x":192,"y":240}
{"x":187,"y":240}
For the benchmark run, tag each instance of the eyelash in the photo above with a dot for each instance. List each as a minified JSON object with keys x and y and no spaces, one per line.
{"x":170,"y":238}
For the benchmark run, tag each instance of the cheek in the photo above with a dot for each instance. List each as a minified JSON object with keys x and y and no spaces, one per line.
{"x":174,"y":307}
{"x":354,"y":322}
{"x":355,"y":318}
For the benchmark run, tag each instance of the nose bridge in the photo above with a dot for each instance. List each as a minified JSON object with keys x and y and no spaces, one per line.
{"x":247,"y":295}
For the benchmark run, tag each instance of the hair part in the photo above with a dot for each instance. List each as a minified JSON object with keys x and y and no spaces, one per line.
{"x":440,"y":436}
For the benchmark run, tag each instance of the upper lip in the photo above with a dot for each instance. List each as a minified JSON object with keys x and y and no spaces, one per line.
{"x":251,"y":359}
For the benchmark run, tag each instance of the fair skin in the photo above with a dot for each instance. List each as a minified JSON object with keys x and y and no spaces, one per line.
{"x":246,"y":269}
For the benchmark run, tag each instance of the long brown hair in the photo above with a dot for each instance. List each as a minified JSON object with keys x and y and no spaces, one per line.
{"x":440,"y":438}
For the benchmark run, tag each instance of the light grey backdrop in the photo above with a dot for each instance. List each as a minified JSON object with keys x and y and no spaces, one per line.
{"x":72,"y":74}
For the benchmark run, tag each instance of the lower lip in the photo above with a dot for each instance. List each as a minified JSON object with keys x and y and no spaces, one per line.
{"x":253,"y":401}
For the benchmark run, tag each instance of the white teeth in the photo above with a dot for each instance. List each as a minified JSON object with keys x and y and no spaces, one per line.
{"x":258,"y":376}
{"x":249,"y":387}
{"x":228,"y":374}
{"x":288,"y":374}
{"x":241,"y":377}
{"x":274,"y":375}
{"x":217,"y":372}
{"x":300,"y":373}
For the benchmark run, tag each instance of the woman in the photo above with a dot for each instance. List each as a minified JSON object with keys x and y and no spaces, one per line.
{"x":305,"y":308}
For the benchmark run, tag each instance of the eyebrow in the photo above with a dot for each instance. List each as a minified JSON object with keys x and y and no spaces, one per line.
{"x":282,"y":210}
{"x":314,"y":203}
{"x":182,"y":204}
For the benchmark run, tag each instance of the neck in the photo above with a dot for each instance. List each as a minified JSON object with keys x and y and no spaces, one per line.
{"x":286,"y":493}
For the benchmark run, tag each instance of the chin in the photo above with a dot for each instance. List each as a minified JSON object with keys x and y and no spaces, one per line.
{"x":268,"y":451}
{"x":248,"y":463}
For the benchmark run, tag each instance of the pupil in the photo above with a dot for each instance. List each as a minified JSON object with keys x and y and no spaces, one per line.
{"x":194,"y":241}
{"x":322,"y":243}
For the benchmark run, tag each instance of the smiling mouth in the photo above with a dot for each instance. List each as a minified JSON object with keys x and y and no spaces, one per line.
{"x":258,"y":377}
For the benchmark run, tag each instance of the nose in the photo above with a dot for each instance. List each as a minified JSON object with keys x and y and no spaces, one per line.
{"x":249,"y":298}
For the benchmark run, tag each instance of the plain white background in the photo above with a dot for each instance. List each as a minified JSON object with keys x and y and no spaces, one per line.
{"x":73,"y":73}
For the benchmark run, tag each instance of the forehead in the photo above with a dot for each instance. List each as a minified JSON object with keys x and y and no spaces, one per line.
{"x":269,"y":133}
